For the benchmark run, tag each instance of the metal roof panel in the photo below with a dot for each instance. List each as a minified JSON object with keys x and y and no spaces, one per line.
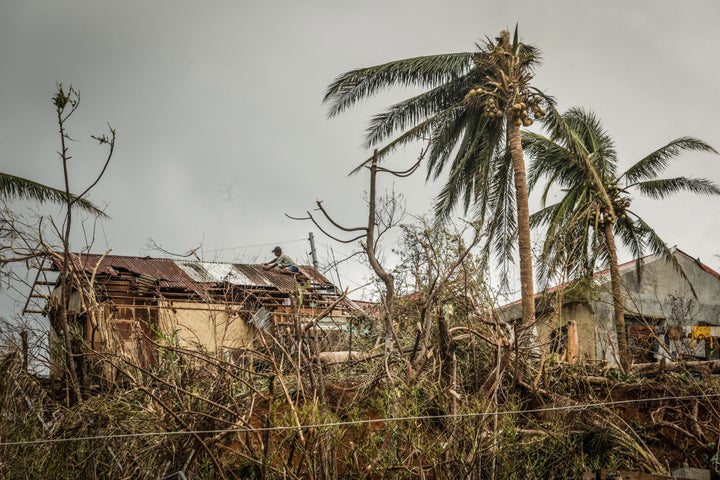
{"x":190,"y":275}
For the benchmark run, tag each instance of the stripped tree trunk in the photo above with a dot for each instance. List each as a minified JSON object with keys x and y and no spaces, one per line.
{"x":523,"y":223}
{"x":616,"y":286}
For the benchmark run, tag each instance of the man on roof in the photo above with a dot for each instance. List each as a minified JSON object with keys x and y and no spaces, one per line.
{"x":283,"y":262}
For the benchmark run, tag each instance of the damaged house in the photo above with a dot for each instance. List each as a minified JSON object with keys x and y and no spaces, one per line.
{"x":127,"y":306}
{"x":669,"y":313}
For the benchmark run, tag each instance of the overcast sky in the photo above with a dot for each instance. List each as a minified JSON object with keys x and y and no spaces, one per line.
{"x":221,"y":129}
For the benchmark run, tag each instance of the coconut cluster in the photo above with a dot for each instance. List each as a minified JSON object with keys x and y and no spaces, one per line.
{"x":620,"y":204}
{"x":603,"y":216}
{"x":523,"y":112}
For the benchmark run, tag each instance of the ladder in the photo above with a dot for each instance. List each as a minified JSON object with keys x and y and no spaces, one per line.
{"x":40,"y":289}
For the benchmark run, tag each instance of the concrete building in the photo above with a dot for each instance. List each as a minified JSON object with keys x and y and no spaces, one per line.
{"x":669,"y":312}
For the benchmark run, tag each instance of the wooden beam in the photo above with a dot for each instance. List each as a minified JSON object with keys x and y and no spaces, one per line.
{"x":605,"y":474}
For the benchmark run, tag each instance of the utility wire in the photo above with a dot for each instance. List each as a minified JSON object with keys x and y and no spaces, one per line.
{"x":282,"y":242}
{"x":583,"y":406}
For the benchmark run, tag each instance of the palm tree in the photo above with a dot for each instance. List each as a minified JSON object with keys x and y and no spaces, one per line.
{"x":583,"y":226}
{"x":470,"y":111}
{"x":12,"y":187}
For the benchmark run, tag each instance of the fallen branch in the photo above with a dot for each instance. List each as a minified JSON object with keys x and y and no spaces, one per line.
{"x":712,"y":366}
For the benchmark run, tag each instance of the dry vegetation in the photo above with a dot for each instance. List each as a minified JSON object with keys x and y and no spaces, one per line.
{"x":283,"y":414}
{"x":436,"y":407}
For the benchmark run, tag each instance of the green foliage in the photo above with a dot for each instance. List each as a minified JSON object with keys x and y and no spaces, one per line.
{"x":13,"y":187}
{"x":469,"y":102}
{"x":429,"y":258}
{"x":580,"y":157}
{"x":427,"y":251}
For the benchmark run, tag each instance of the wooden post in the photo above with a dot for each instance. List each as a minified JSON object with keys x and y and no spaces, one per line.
{"x":572,"y":339}
{"x":313,"y":252}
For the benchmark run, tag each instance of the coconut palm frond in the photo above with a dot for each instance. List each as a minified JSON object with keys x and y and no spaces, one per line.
{"x":417,"y":132}
{"x":591,"y":134}
{"x":593,"y":152}
{"x":662,"y":188}
{"x":502,"y":199}
{"x":410,"y":112}
{"x":632,"y":231}
{"x":542,"y":216}
{"x":463,"y":178}
{"x":656,"y":162}
{"x":449,"y":132}
{"x":426,"y":71}
{"x":568,"y":255}
{"x":471,"y":170}
{"x":567,"y":236}
{"x":645,"y":234}
{"x":548,"y":156}
{"x":13,"y":187}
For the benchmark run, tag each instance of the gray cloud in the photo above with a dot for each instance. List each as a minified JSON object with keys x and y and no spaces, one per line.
{"x":218,"y":105}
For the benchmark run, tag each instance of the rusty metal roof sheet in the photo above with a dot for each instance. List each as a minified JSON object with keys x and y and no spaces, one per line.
{"x":191,"y":275}
{"x":164,"y":270}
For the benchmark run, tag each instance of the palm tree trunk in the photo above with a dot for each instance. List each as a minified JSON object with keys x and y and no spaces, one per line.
{"x":527,"y":288}
{"x":616,"y":286}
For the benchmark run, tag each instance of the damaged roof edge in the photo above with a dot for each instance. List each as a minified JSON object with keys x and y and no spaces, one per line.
{"x":188,"y":274}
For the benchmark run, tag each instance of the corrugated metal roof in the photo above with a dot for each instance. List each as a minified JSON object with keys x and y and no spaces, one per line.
{"x":237,"y":274}
{"x":190,"y":275}
{"x":164,"y":270}
{"x":205,"y":272}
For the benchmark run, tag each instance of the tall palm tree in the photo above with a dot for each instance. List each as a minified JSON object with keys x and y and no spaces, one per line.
{"x":470,"y":111}
{"x":12,"y":187}
{"x":584,"y":225}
